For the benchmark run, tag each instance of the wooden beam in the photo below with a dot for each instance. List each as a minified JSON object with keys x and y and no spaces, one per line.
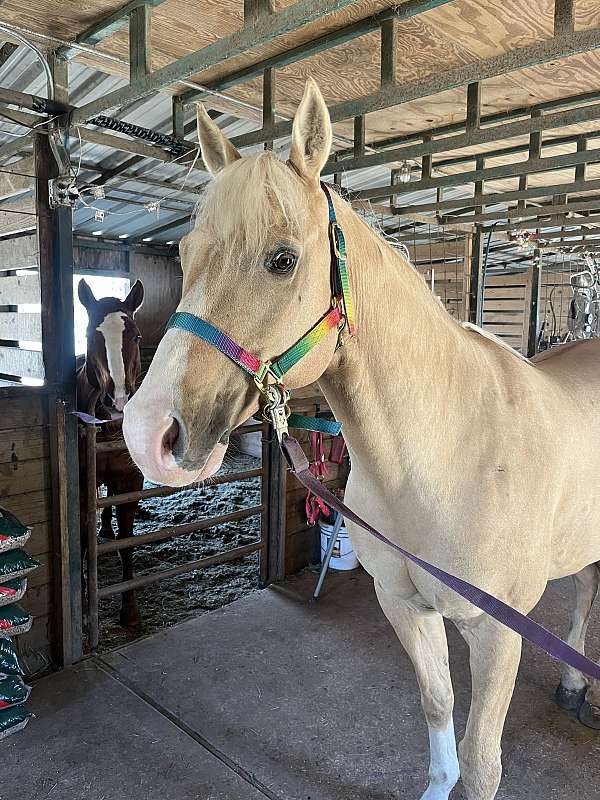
{"x":554,"y":49}
{"x":388,"y":52}
{"x":253,"y":9}
{"x":359,"y":136}
{"x":19,"y":253}
{"x":536,"y":165}
{"x":106,"y":26}
{"x":473,"y":106}
{"x":266,"y":29}
{"x":348,"y":33}
{"x":534,"y":304}
{"x":564,"y":17}
{"x":20,"y":326}
{"x":268,"y":106}
{"x":140,"y":42}
{"x":19,"y":290}
{"x":472,"y":138}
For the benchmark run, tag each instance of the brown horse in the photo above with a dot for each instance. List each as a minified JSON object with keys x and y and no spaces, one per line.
{"x":106,"y":378}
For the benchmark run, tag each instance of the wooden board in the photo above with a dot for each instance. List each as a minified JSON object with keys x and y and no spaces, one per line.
{"x":510,"y":321}
{"x":19,"y":289}
{"x":24,"y":326}
{"x":19,"y":253}
{"x":21,"y":363}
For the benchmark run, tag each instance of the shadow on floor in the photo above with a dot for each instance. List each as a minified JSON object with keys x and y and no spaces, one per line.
{"x":272,"y":697}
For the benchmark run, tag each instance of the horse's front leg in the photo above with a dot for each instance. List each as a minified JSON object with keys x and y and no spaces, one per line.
{"x":130,"y":614}
{"x":421,"y":631}
{"x":495,"y":652}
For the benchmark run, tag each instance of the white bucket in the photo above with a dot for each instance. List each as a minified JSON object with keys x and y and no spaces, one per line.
{"x":343,"y":556}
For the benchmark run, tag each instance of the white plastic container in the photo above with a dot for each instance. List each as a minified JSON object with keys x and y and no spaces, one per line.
{"x":343,"y":556}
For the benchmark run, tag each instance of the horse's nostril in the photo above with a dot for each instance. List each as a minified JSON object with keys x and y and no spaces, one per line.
{"x":171,"y":436}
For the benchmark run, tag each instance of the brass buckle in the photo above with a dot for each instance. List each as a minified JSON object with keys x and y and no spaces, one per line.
{"x":261,"y":374}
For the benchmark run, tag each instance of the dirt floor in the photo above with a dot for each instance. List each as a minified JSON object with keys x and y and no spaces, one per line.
{"x":172,"y":600}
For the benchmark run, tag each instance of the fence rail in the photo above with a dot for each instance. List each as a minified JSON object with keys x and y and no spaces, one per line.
{"x":94,"y":504}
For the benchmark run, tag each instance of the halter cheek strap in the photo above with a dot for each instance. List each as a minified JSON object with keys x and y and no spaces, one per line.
{"x":340,"y":316}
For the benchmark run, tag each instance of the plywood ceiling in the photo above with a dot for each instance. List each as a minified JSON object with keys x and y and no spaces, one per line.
{"x":458,"y":33}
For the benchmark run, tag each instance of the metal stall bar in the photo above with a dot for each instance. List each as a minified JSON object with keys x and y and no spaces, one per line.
{"x":92,"y":541}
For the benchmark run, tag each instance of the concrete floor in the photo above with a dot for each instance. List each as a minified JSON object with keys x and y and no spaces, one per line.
{"x":270,"y":697}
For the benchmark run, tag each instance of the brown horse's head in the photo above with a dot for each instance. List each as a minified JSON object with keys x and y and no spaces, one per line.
{"x":257,"y":266}
{"x":113,"y":344}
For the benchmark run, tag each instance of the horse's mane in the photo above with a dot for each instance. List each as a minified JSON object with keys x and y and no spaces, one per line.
{"x":245,"y":200}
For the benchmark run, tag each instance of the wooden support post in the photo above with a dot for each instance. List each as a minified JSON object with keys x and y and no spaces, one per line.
{"x":534,"y":303}
{"x":272,"y":566}
{"x":580,"y":168}
{"x":564,"y":19}
{"x":178,"y":117}
{"x":535,"y":138}
{"x":140,"y":44}
{"x":55,"y":246}
{"x":476,"y":278}
{"x":359,"y":136}
{"x":268,"y":109}
{"x":427,"y":161}
{"x":254,"y":9}
{"x":473,"y":106}
{"x":388,"y":52}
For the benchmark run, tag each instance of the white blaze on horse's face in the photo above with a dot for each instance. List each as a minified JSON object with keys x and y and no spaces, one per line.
{"x":112,"y":328}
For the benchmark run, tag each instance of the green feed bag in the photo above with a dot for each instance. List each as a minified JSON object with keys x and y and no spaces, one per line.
{"x":12,"y":591}
{"x":16,"y":564}
{"x":12,"y":532}
{"x":9,"y":662}
{"x":13,"y":719}
{"x":13,"y":620}
{"x":13,"y":692}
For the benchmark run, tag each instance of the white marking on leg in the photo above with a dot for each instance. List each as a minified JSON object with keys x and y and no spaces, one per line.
{"x":444,"y":771}
{"x":112,"y":328}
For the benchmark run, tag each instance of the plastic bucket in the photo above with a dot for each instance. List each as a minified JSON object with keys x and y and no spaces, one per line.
{"x":343,"y":556}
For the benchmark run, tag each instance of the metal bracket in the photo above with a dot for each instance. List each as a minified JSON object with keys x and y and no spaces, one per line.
{"x":62,"y":192}
{"x":276,"y":410}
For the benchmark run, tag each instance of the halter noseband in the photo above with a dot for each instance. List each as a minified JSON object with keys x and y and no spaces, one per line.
{"x":340,"y":315}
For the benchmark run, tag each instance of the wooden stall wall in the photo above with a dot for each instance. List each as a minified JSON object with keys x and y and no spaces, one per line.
{"x":506,"y":304}
{"x":25,"y":489}
{"x":162,"y":279}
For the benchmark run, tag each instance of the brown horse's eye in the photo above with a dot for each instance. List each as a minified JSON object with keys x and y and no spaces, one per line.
{"x":137,"y":337}
{"x":281,"y":261}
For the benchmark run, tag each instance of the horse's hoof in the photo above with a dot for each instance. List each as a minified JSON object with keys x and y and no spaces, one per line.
{"x":570,"y":699}
{"x":589,"y":715}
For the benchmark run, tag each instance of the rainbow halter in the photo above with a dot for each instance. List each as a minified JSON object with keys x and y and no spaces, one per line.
{"x":340,"y":315}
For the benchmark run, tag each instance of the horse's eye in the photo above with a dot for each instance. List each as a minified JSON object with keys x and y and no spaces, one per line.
{"x":137,"y":337}
{"x":281,"y":261}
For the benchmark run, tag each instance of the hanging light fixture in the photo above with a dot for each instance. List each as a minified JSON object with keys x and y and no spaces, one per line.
{"x":404,"y":173}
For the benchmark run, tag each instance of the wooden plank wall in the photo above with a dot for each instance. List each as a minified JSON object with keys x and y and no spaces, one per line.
{"x":506,"y":301}
{"x":25,"y":490}
{"x":450,"y":286}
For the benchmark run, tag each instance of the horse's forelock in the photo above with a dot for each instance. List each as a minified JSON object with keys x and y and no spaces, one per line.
{"x":247,"y":201}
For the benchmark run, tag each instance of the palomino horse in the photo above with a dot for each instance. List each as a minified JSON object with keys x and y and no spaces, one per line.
{"x":106,"y":379}
{"x":446,"y":428}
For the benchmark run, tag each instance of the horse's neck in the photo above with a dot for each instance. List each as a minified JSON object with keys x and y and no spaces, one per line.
{"x":395,"y":384}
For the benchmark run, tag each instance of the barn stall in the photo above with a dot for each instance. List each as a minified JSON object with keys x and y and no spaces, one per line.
{"x":466,"y":133}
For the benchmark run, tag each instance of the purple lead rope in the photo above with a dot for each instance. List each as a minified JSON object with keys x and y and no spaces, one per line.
{"x":520,"y":623}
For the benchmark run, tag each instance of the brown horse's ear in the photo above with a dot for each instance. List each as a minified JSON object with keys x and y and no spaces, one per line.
{"x":135,"y":298}
{"x":86,"y":296}
{"x":217,"y":150}
{"x":311,"y":133}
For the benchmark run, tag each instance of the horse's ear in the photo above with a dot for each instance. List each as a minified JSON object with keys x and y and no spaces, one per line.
{"x":217,"y":150}
{"x":86,"y":296}
{"x":135,"y":298}
{"x":311,"y":133}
